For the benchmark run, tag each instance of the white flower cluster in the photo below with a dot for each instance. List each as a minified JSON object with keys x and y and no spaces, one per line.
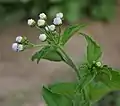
{"x":41,"y":22}
{"x":17,"y":47}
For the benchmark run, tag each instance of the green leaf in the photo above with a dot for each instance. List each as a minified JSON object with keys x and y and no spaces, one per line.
{"x":93,"y":49}
{"x":97,"y":90}
{"x":104,"y":85}
{"x":40,"y":54}
{"x":55,"y":99}
{"x":107,"y":71}
{"x":114,"y":83}
{"x":70,"y":88}
{"x":53,"y":55}
{"x":66,"y":88}
{"x":85,"y":81}
{"x":48,"y":53}
{"x":69,"y":32}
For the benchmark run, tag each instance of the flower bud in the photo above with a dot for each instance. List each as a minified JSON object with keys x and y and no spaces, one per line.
{"x":51,"y":27}
{"x":59,"y":15}
{"x":20,"y":47}
{"x":41,"y":22}
{"x":99,"y":64}
{"x":42,"y":37}
{"x":15,"y":47}
{"x":31,"y":22}
{"x":43,"y":16}
{"x":57,"y":21}
{"x":19,"y":39}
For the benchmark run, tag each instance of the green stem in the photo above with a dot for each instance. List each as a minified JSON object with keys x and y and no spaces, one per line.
{"x":31,"y":45}
{"x":43,"y":31}
{"x":68,"y":61}
{"x":39,"y":29}
{"x":51,"y":34}
{"x":59,"y":31}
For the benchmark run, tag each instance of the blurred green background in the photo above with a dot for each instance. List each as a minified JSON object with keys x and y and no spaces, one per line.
{"x":17,"y":10}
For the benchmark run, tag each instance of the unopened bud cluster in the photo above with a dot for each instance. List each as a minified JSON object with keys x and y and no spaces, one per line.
{"x":98,"y":63}
{"x":17,"y":46}
{"x":42,"y":25}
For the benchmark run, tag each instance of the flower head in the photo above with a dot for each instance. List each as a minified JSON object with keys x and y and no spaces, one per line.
{"x":31,"y":22}
{"x":41,"y":22}
{"x":43,"y":16}
{"x":99,"y":64}
{"x":19,"y":39}
{"x":57,"y":21}
{"x":42,"y":37}
{"x":59,"y":15}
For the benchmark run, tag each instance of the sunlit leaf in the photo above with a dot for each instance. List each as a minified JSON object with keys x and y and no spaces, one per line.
{"x":68,"y":33}
{"x":93,"y":49}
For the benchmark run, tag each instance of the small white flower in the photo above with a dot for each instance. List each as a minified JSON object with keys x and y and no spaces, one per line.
{"x":31,"y":22}
{"x":41,"y":22}
{"x":51,"y":27}
{"x":43,"y":16}
{"x":59,"y":15}
{"x":19,"y":39}
{"x":98,"y":64}
{"x":57,"y":21}
{"x":15,"y":47}
{"x":42,"y":37}
{"x":20,"y":47}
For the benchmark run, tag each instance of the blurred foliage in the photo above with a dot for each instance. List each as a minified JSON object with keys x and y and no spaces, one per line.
{"x":111,"y":99}
{"x":17,"y":10}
